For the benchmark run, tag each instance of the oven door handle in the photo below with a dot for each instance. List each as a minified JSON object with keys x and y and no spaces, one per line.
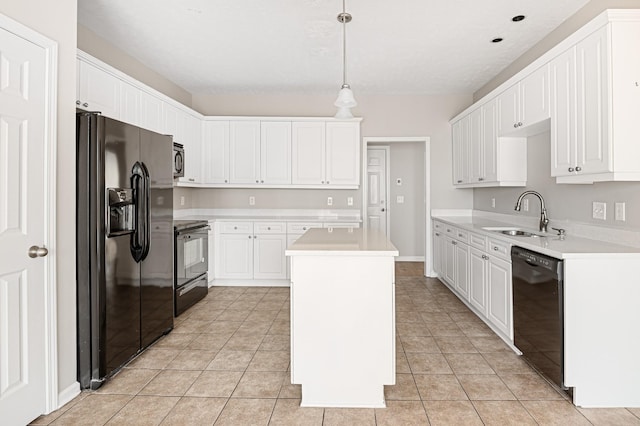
{"x":188,"y":287}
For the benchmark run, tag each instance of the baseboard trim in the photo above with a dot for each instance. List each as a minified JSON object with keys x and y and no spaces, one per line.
{"x":68,"y":394}
{"x":410,"y":259}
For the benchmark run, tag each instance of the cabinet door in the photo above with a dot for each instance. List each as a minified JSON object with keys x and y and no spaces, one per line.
{"x":308,"y":153}
{"x":478,"y":273}
{"x":449,"y":258}
{"x":129,"y":104}
{"x":476,"y":147}
{"x":269,"y":261}
{"x":275,"y":152}
{"x":437,"y":254}
{"x":534,"y":97}
{"x":151,"y":113}
{"x":508,"y":105}
{"x":489,"y":142}
{"x":99,"y":91}
{"x":499,"y":292}
{"x":235,"y":256}
{"x":460,"y":134}
{"x":244,"y":152}
{"x":192,"y":141}
{"x":563,"y":113}
{"x":593,"y":147}
{"x":215,"y":152}
{"x":461,"y":253}
{"x":212,"y":252}
{"x":342,"y":153}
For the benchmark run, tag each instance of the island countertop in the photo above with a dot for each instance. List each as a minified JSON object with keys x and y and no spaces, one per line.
{"x":342,"y":241}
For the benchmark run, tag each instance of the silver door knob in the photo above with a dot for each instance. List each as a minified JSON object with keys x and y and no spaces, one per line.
{"x":578,"y":169}
{"x":35,"y":251}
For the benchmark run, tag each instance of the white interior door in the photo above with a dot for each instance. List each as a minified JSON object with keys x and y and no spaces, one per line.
{"x":377,"y":213}
{"x":23,"y":215}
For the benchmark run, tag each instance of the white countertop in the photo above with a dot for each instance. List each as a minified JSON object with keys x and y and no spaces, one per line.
{"x":250,"y":218}
{"x":550,"y":243}
{"x":269,"y":215}
{"x":342,"y":241}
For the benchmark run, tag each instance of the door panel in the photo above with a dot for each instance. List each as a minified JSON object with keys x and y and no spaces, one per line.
{"x":22,"y":224}
{"x":308,"y":153}
{"x":275,"y":152}
{"x":269,"y":261}
{"x":244,"y":152}
{"x":377,"y":189}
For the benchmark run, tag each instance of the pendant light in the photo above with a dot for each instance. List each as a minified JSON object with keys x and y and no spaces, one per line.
{"x":345,"y":100}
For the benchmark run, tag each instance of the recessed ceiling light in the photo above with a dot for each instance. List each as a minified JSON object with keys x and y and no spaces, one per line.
{"x":517,"y":18}
{"x":496,"y":40}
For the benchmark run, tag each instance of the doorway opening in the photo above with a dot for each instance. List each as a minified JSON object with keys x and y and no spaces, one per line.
{"x":390,"y":202}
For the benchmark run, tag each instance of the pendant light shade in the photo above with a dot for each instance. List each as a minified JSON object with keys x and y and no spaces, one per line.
{"x":345,"y":100}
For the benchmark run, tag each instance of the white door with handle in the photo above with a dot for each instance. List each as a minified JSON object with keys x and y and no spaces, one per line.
{"x":377,"y":214}
{"x":25,"y":68}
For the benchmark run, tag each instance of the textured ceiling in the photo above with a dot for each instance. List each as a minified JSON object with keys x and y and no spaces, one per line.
{"x":295,"y":46}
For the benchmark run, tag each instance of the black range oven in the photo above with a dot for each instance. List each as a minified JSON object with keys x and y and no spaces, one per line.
{"x":191,"y":262}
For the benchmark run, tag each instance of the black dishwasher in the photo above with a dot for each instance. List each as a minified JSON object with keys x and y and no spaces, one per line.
{"x":538,"y":311}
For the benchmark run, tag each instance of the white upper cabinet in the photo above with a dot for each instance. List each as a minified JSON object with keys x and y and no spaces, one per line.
{"x":524,"y":104}
{"x":480,"y":158}
{"x":563,"y":111}
{"x":275,"y":152}
{"x":129,"y":104}
{"x":460,"y":133}
{"x":342,"y":153}
{"x":308,"y":153}
{"x":151,"y":112}
{"x":244,"y":152}
{"x":98,"y":90}
{"x":192,"y":142}
{"x":215,"y":152}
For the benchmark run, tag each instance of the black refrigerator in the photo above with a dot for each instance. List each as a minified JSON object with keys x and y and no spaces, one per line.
{"x":124,"y":243}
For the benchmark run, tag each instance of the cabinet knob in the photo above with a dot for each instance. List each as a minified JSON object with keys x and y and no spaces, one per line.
{"x":495,"y":248}
{"x":485,"y":257}
{"x":77,"y":102}
{"x":85,"y":104}
{"x":570,"y":169}
{"x":519,"y":124}
{"x":257,"y":181}
{"x":192,"y":180}
{"x":437,"y":235}
{"x":261,"y":181}
{"x":454,"y":243}
{"x":480,"y":179}
{"x":226,"y":181}
{"x":515,"y":125}
{"x":578,"y":169}
{"x":235,"y":227}
{"x":268,"y":228}
{"x":328,"y":182}
{"x":249,"y":236}
{"x":304,"y":228}
{"x":459,"y":181}
{"x":321,"y":181}
{"x":460,"y":235}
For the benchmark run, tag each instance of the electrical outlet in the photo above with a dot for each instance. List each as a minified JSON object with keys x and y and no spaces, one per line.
{"x":349,"y":201}
{"x":182,"y":200}
{"x":525,"y":205}
{"x":400,"y":199}
{"x":493,"y":203}
{"x":599,"y":210}
{"x":252,"y":200}
{"x":329,"y":201}
{"x":620,"y":212}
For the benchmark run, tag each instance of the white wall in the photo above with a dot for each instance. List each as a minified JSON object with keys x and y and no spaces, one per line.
{"x":57,"y":20}
{"x":563,"y":202}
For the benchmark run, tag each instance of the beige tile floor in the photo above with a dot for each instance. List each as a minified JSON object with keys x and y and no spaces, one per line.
{"x":227,"y":359}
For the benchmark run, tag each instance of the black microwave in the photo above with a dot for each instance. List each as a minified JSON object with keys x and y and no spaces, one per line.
{"x":178,"y":160}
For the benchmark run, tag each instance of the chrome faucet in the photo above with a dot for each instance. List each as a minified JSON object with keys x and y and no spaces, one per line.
{"x":544,"y":220}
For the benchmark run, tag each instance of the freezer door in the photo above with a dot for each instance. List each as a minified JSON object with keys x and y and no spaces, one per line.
{"x":156,"y":153}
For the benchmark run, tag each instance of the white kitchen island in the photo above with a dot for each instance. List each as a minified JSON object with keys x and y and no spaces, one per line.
{"x":342,"y":317}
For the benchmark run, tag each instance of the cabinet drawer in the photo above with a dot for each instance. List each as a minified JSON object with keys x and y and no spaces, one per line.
{"x":461,"y":235}
{"x":236,"y":227}
{"x":500,"y":249}
{"x":269,"y":227}
{"x":478,"y":241}
{"x":301,"y":227}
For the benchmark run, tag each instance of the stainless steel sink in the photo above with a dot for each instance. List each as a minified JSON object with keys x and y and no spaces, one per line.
{"x":518,"y":233}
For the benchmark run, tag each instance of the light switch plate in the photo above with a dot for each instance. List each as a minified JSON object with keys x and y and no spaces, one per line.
{"x":329,"y":201}
{"x":400,"y":199}
{"x":599,"y":210}
{"x":182,"y":200}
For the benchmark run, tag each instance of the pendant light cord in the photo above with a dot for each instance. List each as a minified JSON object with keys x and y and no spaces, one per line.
{"x":344,"y":44}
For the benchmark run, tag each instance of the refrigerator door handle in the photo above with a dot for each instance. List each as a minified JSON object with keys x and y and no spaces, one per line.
{"x":137,"y":242}
{"x":147,"y":212}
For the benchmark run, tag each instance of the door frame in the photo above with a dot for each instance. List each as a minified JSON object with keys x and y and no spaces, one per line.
{"x":50,"y":48}
{"x":387,"y":185}
{"x":426,"y":140}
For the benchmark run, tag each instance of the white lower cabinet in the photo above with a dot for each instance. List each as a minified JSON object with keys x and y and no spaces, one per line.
{"x":499,"y":292}
{"x":478,"y":271}
{"x":212,"y":251}
{"x":269,"y":261}
{"x":235,"y":256}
